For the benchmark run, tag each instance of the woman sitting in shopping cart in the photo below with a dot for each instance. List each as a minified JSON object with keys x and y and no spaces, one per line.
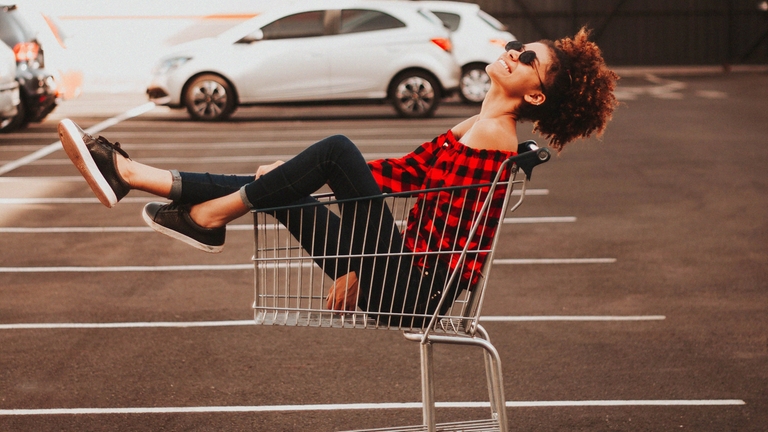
{"x":563,"y":87}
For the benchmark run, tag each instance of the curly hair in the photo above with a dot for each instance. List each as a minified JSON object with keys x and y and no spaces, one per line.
{"x":579,"y":92}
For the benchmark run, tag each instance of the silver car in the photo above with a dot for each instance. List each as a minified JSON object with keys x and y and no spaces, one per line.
{"x":323,"y":50}
{"x":9,"y":88}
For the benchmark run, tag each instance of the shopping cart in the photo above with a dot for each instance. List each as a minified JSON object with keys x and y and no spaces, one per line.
{"x":300,"y":250}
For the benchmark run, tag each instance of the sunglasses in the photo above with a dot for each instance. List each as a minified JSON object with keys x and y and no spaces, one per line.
{"x":526,"y":58}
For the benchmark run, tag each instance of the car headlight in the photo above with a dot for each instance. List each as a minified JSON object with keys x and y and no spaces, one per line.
{"x":170,"y":64}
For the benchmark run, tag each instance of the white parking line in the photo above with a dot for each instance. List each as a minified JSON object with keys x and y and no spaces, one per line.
{"x":518,"y":261}
{"x":238,"y":323}
{"x":109,"y":269}
{"x":367,"y":406}
{"x":540,"y":219}
{"x":230,"y":267}
{"x":233,"y":227}
{"x":206,"y":159}
{"x":573,"y":318}
{"x":84,"y":200}
{"x":89,"y":200}
{"x":45,"y":151}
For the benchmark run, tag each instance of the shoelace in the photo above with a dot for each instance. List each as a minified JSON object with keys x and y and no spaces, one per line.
{"x":115,"y":146}
{"x":184,"y":208}
{"x":173,"y":206}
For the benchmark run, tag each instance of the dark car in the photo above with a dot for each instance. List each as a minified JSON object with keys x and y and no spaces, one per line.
{"x":37,"y":88}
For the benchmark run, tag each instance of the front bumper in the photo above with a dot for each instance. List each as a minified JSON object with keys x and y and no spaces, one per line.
{"x":158,"y":95}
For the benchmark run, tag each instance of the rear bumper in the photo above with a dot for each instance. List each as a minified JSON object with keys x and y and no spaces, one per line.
{"x":38,"y":88}
{"x":9,"y":100}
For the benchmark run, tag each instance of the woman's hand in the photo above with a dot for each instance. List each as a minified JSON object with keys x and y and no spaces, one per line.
{"x":267,"y":168}
{"x":343,"y":294}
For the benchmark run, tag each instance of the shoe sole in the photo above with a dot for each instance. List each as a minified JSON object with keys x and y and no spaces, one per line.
{"x":178,"y":236}
{"x":78,"y":153}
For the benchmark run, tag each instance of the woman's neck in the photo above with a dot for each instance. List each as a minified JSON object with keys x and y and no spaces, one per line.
{"x":495,"y":128}
{"x":497,"y":104}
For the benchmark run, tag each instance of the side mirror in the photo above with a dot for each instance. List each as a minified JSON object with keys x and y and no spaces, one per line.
{"x":253,"y":37}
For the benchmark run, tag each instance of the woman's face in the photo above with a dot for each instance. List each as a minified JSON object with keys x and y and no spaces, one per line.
{"x":517,"y":78}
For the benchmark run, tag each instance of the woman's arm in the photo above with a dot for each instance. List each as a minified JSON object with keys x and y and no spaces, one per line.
{"x":408,"y":172}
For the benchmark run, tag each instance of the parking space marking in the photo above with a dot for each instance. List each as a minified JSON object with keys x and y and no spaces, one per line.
{"x":367,"y":406}
{"x":204,"y":160}
{"x":238,"y":323}
{"x":573,"y":318}
{"x":518,"y":261}
{"x":109,"y":269}
{"x":45,"y":151}
{"x":232,"y":227}
{"x":260,"y":145}
{"x":232,"y":267}
{"x":540,"y":219}
{"x":288,"y":134}
{"x":661,"y":89}
{"x":84,"y":200}
{"x":142,"y":200}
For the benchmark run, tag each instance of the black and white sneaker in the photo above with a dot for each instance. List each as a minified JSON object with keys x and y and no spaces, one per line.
{"x":174,"y":221}
{"x":95,"y":159}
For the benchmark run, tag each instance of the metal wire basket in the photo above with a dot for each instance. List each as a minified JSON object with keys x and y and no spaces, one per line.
{"x":421,"y":260}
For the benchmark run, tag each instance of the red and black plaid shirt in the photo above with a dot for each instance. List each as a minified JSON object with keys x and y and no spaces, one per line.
{"x":438,"y":221}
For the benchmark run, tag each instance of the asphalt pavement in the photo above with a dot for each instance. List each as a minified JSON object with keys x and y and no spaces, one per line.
{"x":630,"y":295}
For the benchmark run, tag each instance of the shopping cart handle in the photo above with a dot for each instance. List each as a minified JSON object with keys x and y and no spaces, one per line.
{"x":528,"y":156}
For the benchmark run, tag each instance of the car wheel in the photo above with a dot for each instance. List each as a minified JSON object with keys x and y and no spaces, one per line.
{"x":474,"y":83}
{"x":415,"y":94}
{"x":209,"y":98}
{"x":20,"y":120}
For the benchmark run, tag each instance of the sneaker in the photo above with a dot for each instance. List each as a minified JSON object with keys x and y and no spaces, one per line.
{"x":174,"y":221}
{"x":95,"y":159}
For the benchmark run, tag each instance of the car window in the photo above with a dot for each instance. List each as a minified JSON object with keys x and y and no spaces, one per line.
{"x":13,"y":29}
{"x":360,"y":20}
{"x":451,"y":20}
{"x":431,"y":17}
{"x":493,"y":22}
{"x":305,"y":24}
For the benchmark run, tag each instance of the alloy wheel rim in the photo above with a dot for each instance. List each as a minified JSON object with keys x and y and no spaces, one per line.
{"x":415,"y":95}
{"x":475,"y":84}
{"x":209,"y":99}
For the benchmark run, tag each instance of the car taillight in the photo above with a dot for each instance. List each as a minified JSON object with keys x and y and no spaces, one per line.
{"x":26,"y":51}
{"x":443,"y":43}
{"x":500,"y":42}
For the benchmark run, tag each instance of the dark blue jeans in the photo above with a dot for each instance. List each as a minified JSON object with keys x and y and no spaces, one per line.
{"x":364,"y":227}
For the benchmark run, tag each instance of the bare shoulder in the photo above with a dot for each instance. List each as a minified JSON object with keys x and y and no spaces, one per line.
{"x":492,"y":134}
{"x":461,"y":129}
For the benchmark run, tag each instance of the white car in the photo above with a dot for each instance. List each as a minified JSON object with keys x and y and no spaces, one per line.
{"x":478,"y":40}
{"x":323,"y":50}
{"x":9,"y":87}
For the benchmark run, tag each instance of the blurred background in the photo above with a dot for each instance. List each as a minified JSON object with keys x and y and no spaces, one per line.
{"x":112,"y":46}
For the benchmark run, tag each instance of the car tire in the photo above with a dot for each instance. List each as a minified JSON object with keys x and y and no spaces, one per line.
{"x":415,"y":94}
{"x":20,"y":120}
{"x":474,"y":83}
{"x":209,"y":97}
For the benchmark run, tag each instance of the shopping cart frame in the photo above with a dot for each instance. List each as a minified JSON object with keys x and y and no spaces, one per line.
{"x":289,"y":289}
